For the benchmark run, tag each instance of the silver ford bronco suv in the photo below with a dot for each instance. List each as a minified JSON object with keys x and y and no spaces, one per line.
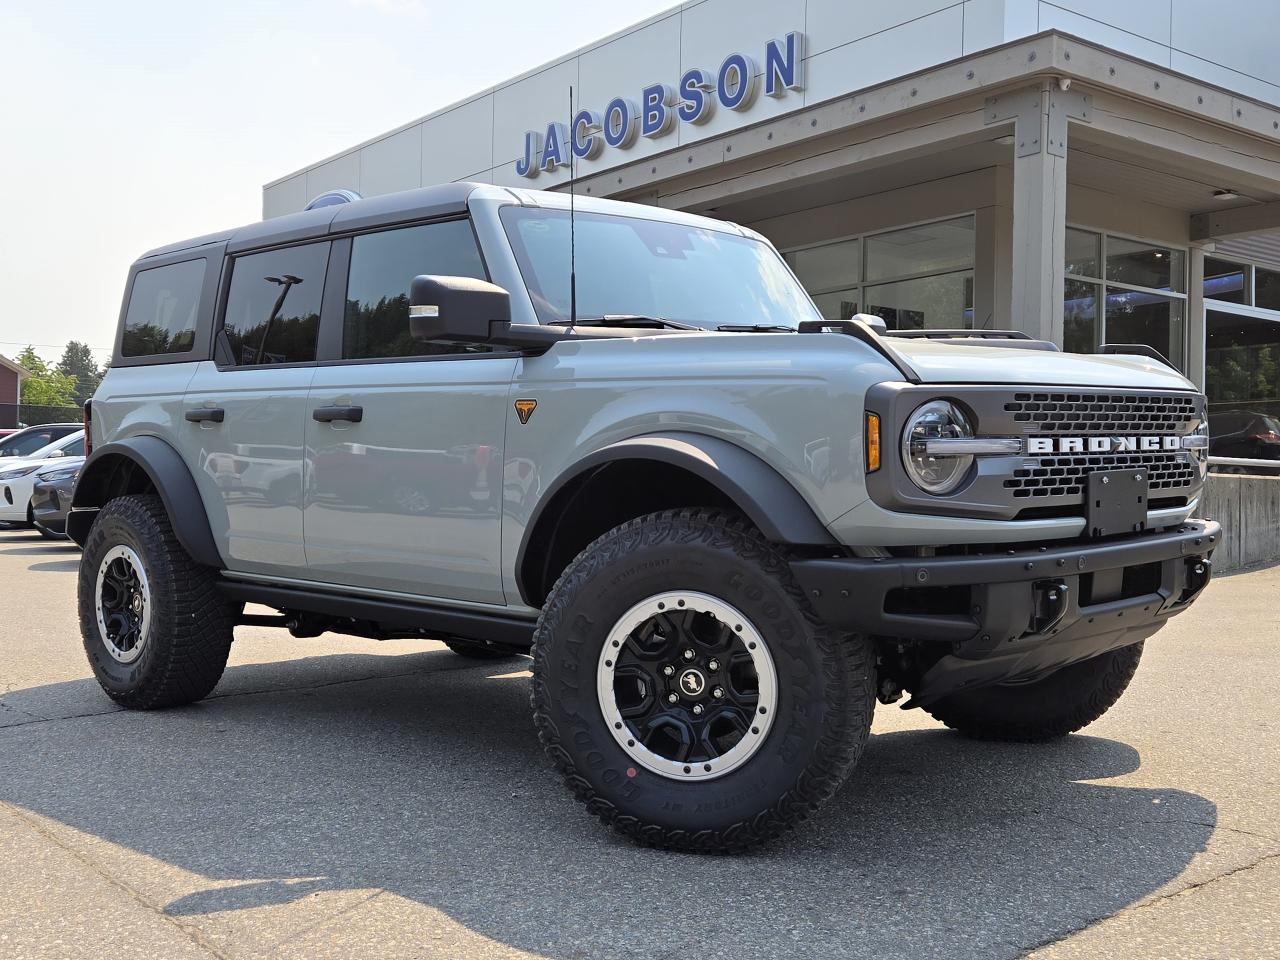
{"x":626,"y":440}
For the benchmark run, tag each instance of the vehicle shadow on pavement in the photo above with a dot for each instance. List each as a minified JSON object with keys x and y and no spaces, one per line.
{"x":56,"y":566}
{"x":34,"y":545}
{"x":427,"y":781}
{"x":43,"y":548}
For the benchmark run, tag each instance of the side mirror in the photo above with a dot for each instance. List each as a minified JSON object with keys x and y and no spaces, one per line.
{"x":54,"y":454}
{"x":473,"y":311}
{"x":457,"y":308}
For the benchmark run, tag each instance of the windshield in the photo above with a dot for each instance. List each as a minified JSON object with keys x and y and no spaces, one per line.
{"x":653,"y":268}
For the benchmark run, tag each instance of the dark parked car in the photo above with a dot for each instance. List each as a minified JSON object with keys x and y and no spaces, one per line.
{"x":30,"y":439}
{"x":1247,"y":434}
{"x":51,"y":497}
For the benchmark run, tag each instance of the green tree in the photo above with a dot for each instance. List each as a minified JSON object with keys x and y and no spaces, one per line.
{"x":47,"y":386}
{"x":77,"y":361}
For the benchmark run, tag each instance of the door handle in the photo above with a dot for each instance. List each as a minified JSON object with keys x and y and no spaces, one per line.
{"x":206,"y":415}
{"x":331,"y":414}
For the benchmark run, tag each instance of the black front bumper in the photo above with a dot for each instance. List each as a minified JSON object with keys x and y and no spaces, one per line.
{"x":1015,"y":614}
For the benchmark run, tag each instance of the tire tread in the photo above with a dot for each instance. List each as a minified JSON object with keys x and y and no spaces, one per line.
{"x":1068,"y":700}
{"x":847,"y":662}
{"x":198,"y":634}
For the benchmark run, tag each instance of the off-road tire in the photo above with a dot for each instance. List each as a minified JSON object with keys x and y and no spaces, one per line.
{"x":824,"y":685}
{"x":473,"y":650}
{"x":1047,"y":709}
{"x":191,"y":622}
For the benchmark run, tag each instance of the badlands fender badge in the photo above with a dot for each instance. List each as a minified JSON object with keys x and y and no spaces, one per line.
{"x":524,"y":410}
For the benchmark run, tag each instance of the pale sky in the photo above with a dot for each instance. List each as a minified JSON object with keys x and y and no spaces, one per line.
{"x":128,"y":124}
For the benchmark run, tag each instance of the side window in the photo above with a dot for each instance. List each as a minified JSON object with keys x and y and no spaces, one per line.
{"x":28,"y":443}
{"x":376,"y":323}
{"x":163,"y":305}
{"x":273,"y":306}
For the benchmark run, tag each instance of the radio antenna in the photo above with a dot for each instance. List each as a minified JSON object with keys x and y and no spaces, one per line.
{"x":573,"y":275}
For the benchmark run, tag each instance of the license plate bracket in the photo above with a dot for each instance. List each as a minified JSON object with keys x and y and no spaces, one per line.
{"x":1117,"y":501}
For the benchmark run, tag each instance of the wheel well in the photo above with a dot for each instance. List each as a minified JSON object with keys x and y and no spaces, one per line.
{"x":598,"y":501}
{"x":112,"y":476}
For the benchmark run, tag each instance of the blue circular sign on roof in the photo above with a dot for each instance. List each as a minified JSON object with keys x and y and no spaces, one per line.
{"x":332,"y":198}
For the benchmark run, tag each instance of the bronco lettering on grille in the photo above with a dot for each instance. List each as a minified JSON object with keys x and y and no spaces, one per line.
{"x":1102,"y":444}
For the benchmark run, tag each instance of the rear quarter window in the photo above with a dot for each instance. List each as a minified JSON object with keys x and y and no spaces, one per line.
{"x":164,"y":305}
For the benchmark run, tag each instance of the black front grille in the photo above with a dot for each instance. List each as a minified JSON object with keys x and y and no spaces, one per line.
{"x":1064,"y":475}
{"x":1103,"y":412}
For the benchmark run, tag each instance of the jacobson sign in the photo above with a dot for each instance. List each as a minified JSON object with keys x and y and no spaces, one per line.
{"x":693,"y":100}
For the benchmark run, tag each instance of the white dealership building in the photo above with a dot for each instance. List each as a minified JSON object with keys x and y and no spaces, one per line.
{"x":1087,"y":171}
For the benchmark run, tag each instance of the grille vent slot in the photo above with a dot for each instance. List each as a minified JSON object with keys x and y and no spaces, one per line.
{"x":1064,"y":476}
{"x":1102,"y":412}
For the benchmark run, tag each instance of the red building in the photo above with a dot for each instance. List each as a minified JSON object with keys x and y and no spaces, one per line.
{"x":11,"y":377}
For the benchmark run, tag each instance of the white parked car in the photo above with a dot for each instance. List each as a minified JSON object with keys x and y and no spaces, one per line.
{"x":18,"y":476}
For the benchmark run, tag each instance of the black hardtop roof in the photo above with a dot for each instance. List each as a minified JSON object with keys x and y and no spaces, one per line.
{"x":420,"y":204}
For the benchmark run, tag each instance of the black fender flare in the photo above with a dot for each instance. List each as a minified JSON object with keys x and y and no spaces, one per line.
{"x":767,"y":498}
{"x":170,"y":476}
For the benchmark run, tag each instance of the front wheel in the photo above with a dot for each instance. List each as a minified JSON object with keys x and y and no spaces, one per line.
{"x":1045,"y":709}
{"x":155,"y":627}
{"x":686,"y":691}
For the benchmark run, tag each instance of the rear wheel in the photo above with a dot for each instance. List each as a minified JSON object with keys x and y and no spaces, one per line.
{"x":156,"y":629}
{"x":685,"y":690}
{"x":1046,"y":709}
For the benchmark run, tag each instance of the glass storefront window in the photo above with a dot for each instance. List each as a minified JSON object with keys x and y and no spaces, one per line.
{"x":1224,"y":280}
{"x":1242,"y":381}
{"x":944,"y":302}
{"x":1135,"y":316}
{"x":1080,"y":333}
{"x":1144,"y":265}
{"x":924,"y":274}
{"x":1266,"y":289}
{"x":832,"y":266}
{"x":1083,"y":254}
{"x":930,"y":248}
{"x":1142,"y":302}
{"x":838,"y":305}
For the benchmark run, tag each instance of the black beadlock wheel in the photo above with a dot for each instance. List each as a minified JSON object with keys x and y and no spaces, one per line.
{"x":1045,"y":709}
{"x":156,"y":630}
{"x":685,"y":690}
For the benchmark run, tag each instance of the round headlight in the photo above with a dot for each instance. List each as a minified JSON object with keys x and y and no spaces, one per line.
{"x":933,"y":473}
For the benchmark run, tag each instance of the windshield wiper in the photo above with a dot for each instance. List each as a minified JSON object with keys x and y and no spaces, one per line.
{"x":625,"y":320}
{"x":755,"y":328}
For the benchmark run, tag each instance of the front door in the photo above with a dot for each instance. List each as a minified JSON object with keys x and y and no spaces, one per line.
{"x":405,"y":439}
{"x":244,"y":415}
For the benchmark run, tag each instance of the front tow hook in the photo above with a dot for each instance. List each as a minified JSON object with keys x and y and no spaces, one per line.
{"x":1049,"y":605}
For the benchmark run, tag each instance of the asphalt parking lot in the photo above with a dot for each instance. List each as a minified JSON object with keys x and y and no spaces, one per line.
{"x":345,"y":798}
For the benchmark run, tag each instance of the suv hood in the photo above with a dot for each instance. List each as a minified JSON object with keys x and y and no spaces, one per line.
{"x":937,"y":361}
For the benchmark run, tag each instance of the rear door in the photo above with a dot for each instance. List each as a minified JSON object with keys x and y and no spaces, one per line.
{"x":404,"y":438}
{"x":244,"y":411}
